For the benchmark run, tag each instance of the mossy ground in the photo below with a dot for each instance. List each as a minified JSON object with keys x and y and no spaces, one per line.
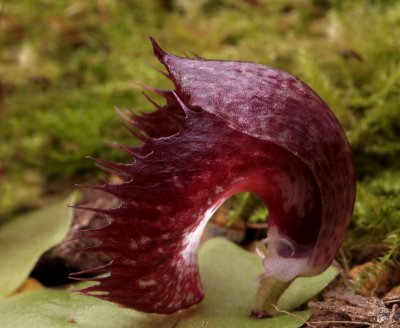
{"x":65,"y":64}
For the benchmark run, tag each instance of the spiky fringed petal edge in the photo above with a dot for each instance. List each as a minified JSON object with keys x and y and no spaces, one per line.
{"x":228,"y":127}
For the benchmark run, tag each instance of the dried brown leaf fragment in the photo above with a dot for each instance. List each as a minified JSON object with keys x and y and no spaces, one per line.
{"x":347,"y":309}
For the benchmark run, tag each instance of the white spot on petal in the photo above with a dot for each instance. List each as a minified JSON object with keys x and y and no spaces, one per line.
{"x":146,"y":283}
{"x":144,"y":240}
{"x":134,"y":244}
{"x":189,"y":297}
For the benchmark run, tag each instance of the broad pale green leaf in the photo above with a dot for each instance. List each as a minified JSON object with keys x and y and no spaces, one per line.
{"x":302,"y":289}
{"x":229,"y":279}
{"x":24,"y":239}
{"x":59,"y":308}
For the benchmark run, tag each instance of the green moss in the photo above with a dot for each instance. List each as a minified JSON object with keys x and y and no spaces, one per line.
{"x":248,"y":207}
{"x":376,"y":216}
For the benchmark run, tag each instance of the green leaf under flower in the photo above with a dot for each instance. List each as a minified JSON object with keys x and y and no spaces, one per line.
{"x":24,"y":239}
{"x":229,"y":277}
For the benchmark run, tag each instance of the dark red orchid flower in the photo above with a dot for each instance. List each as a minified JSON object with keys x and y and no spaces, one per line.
{"x":228,"y":127}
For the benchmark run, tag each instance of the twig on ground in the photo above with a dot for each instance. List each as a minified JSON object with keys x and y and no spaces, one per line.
{"x":392,"y":313}
{"x":323,"y":322}
{"x":391,"y":300}
{"x":293,"y":315}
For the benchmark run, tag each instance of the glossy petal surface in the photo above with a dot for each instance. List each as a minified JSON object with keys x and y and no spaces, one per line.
{"x":228,"y":127}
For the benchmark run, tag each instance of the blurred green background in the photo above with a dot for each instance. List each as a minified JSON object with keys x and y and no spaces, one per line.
{"x":65,"y":64}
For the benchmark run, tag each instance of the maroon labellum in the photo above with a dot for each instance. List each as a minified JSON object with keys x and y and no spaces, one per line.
{"x":228,"y":127}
